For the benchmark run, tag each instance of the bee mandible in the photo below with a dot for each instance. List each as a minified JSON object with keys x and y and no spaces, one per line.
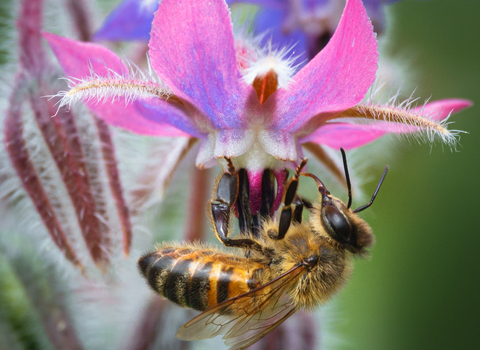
{"x":284,"y":266}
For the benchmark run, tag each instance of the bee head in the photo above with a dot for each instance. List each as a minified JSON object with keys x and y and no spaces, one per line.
{"x":339,"y":221}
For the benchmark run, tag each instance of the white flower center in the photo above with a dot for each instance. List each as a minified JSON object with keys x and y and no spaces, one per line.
{"x":256,"y":158}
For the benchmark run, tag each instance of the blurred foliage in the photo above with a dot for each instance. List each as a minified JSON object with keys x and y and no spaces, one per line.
{"x":4,"y":28}
{"x":20,"y":324}
{"x":420,"y":289}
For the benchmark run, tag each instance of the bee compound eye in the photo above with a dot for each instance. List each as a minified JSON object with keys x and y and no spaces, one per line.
{"x":341,"y":228}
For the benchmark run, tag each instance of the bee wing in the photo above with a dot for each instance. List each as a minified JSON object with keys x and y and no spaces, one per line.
{"x":254,"y":331}
{"x":246,"y":318}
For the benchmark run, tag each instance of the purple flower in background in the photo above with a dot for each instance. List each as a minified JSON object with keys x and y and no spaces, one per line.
{"x":305,"y":24}
{"x":131,"y":20}
{"x":249,"y":110}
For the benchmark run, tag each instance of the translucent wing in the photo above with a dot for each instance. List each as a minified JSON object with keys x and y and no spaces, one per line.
{"x":248,"y":317}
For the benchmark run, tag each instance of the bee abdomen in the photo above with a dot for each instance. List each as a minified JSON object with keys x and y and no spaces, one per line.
{"x":193,"y":278}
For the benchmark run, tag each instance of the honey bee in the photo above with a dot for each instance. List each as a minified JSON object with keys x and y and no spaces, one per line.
{"x":286,"y":266}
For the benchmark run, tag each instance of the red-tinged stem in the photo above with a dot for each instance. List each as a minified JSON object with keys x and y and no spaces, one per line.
{"x":59,"y":328}
{"x":29,"y":24}
{"x":41,"y":286}
{"x":110,"y":160}
{"x":20,"y":157}
{"x":199,"y":192}
{"x":62,"y":140}
{"x":79,"y":13}
{"x":272,"y":341}
{"x":56,"y":321}
{"x":307,"y":331}
{"x":95,"y":232}
{"x":147,"y":330}
{"x":81,"y":18}
{"x":153,"y":320}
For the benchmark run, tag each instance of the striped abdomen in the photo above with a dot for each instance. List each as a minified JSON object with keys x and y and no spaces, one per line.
{"x":198,"y":278}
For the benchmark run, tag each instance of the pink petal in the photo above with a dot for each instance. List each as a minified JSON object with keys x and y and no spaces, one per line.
{"x":126,"y":117}
{"x":161,"y":112}
{"x":335,"y":80}
{"x":192,"y":51}
{"x":439,"y":110}
{"x":343,"y":135}
{"x":348,"y":136}
{"x":77,"y":58}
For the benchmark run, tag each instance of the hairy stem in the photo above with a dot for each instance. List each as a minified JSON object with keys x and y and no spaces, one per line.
{"x":199,"y":192}
{"x":20,"y":157}
{"x":110,"y":161}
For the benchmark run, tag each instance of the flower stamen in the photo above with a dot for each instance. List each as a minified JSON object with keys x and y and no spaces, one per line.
{"x":265,"y":85}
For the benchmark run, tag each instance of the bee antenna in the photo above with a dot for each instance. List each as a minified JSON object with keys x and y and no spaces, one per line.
{"x":347,"y":177}
{"x":363,"y":207}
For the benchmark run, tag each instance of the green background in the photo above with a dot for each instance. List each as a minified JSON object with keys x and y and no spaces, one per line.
{"x":421,"y":288}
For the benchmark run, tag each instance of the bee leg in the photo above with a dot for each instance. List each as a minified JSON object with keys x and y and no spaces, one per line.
{"x":227,"y":192}
{"x":298,"y":212}
{"x":306,"y":203}
{"x":287,"y":215}
{"x":221,"y":218}
{"x":245,"y":219}
{"x":300,"y":204}
{"x":268,"y":193}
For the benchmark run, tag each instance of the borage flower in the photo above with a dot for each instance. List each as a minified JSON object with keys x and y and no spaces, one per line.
{"x":250,"y":111}
{"x":131,"y":20}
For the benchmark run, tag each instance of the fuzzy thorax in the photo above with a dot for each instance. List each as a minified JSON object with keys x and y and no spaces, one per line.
{"x":322,"y":281}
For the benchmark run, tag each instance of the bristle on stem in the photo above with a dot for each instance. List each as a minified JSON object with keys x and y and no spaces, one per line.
{"x":409,"y":121}
{"x":21,"y":160}
{"x":110,"y":160}
{"x":62,"y":139}
{"x":102,"y":89}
